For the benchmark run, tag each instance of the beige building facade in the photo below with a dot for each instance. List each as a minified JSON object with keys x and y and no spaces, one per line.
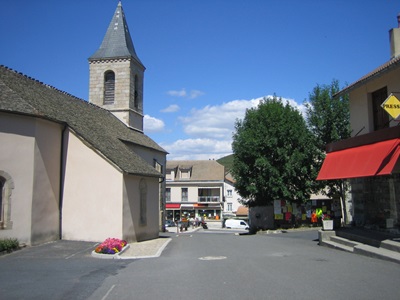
{"x":369,"y":160}
{"x":75,"y":170}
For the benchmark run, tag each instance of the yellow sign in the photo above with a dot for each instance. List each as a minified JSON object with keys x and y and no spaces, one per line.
{"x":392,"y":106}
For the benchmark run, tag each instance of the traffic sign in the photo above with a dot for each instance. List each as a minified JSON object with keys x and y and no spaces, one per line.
{"x":392,"y":106}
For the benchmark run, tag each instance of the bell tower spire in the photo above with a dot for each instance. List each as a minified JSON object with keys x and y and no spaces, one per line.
{"x":116,"y":74}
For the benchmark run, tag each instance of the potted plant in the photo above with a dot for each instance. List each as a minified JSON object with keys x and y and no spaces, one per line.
{"x":327,"y":222}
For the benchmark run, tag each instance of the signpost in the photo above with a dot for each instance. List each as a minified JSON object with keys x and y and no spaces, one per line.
{"x":392,"y":106}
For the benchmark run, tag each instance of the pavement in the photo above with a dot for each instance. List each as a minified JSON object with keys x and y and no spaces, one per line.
{"x":154,"y":248}
{"x":151,"y":248}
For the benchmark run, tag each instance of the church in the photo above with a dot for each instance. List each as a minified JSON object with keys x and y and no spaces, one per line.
{"x":77,"y":170}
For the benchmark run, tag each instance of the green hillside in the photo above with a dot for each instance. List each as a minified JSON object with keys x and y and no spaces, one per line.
{"x":227,"y":162}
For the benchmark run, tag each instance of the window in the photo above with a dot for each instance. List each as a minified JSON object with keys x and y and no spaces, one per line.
{"x":184,"y":195}
{"x":143,"y":202}
{"x":168,"y":194}
{"x":381,"y":117}
{"x":229,"y":193}
{"x":109,"y":87}
{"x":229,"y":208}
{"x":6,"y":187}
{"x":2,"y":184}
{"x":158,"y":166}
{"x":185,"y":173}
{"x":135,"y":96}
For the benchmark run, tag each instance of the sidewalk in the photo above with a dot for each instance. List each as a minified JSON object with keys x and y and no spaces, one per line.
{"x":151,"y":248}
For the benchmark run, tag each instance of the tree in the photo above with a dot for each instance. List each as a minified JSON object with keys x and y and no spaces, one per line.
{"x":273,"y":154}
{"x":328,"y":118}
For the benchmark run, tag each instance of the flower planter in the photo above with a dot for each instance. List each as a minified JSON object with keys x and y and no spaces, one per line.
{"x":110,"y":256}
{"x":327,"y":224}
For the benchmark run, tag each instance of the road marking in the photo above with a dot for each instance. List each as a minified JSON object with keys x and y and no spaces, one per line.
{"x":212,"y":257}
{"x":108,"y":292}
{"x":72,"y":255}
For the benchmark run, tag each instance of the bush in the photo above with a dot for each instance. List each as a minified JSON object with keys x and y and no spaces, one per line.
{"x":9,"y":245}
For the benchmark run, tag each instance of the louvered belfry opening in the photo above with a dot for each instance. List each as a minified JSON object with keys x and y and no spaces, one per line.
{"x":109,"y":87}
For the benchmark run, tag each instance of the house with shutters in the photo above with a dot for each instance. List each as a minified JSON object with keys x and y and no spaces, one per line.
{"x":194,"y":189}
{"x":369,"y":160}
{"x":77,"y":170}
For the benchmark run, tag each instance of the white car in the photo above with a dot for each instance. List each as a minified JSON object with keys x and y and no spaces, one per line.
{"x":236,"y":224}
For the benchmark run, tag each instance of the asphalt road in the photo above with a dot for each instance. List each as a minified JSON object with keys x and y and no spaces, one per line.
{"x":213,"y":264}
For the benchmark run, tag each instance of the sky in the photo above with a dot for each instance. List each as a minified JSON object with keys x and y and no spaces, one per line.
{"x":207,"y":61}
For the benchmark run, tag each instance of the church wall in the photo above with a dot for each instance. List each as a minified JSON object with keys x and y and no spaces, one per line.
{"x":46,"y":182}
{"x":92,"y":201}
{"x":30,"y":156}
{"x":134,"y":189}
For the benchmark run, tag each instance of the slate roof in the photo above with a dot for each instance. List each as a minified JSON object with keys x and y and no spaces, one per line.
{"x":201,"y":170}
{"x":382,"y":69}
{"x":117,"y":42}
{"x":100,"y":128}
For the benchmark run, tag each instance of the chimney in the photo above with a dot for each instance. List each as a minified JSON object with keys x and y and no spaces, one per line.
{"x":394,"y":37}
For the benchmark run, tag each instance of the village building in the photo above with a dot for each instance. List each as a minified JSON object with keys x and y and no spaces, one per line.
{"x":369,"y":160}
{"x":77,"y":170}
{"x":194,"y":189}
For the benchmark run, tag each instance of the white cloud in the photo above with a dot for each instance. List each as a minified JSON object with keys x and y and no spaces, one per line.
{"x":152,"y":124}
{"x":183,"y":94}
{"x":195,"y":93}
{"x":198,"y":149}
{"x":171,"y":108}
{"x":218,"y":121}
{"x":211,"y":127}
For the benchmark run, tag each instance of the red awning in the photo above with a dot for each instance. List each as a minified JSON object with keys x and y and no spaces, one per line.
{"x":368,"y":160}
{"x":172,"y":205}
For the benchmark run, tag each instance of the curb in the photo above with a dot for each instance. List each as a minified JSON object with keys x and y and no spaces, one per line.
{"x":110,"y":256}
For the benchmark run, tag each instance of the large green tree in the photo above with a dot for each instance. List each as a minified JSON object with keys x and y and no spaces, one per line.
{"x":273,"y":154}
{"x":328,"y":117}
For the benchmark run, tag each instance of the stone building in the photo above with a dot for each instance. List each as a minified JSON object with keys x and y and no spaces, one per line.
{"x":70,"y":169}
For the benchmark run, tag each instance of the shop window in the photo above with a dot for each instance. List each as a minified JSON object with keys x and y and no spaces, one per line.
{"x":109,"y":87}
{"x":381,"y":117}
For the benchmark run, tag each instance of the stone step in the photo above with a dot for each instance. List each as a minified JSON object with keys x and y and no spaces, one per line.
{"x":339,"y":246}
{"x":391,"y":245}
{"x":343,"y":241}
{"x":380,"y":253}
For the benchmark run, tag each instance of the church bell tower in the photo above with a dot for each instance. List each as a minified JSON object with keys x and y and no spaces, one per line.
{"x":116,"y":74}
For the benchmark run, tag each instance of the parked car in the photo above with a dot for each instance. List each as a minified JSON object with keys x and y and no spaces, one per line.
{"x":169,"y":223}
{"x":236,"y":224}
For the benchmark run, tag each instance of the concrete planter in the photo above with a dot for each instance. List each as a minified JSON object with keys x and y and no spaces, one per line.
{"x":327,"y":224}
{"x":110,"y":256}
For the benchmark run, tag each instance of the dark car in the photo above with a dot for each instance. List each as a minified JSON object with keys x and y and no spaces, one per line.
{"x":169,"y":223}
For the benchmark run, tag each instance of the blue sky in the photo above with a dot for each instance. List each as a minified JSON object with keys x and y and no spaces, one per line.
{"x":206,"y":60}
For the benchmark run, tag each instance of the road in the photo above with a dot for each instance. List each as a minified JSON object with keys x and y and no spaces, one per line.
{"x":213,"y":264}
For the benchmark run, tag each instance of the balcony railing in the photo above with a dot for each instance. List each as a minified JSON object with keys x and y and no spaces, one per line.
{"x":208,"y":199}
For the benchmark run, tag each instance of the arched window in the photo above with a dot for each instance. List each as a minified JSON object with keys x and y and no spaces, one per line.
{"x":2,"y":184}
{"x":136,"y":94}
{"x":109,"y":87}
{"x":143,"y":202}
{"x":6,"y":187}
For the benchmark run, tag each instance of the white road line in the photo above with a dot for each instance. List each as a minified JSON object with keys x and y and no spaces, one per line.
{"x":108,"y":292}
